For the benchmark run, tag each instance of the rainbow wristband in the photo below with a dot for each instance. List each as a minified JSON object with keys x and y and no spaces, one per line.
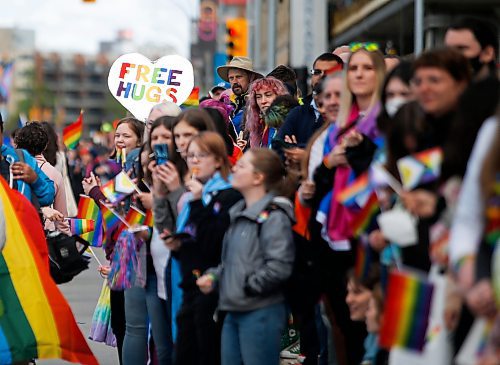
{"x":460,"y":263}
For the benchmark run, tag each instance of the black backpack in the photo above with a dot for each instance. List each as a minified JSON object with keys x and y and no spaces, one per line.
{"x":66,"y":259}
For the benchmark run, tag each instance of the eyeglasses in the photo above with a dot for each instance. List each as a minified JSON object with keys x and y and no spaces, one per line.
{"x":198,"y":156}
{"x":368,"y":46}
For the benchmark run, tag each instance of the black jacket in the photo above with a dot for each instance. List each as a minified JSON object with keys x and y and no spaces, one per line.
{"x":207,"y":226}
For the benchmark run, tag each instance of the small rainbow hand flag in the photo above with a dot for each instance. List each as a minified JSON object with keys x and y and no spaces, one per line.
{"x":406,"y":311}
{"x":110,"y":192}
{"x":359,"y":187}
{"x":149,"y":221}
{"x":134,"y":217}
{"x":365,"y":220}
{"x":73,"y":133}
{"x":193,"y":99}
{"x":88,"y":209}
{"x":110,"y":217}
{"x":81,"y":226}
{"x":363,"y":260}
{"x":422,"y":167}
{"x":124,"y":184}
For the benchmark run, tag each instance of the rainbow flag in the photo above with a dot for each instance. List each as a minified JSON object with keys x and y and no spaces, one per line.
{"x":35,"y":319}
{"x":493,"y":217}
{"x":406,"y":311}
{"x":149,"y":220}
{"x":88,"y":209}
{"x":81,"y":226}
{"x":134,"y":217}
{"x":363,"y":259}
{"x":110,"y":192}
{"x":73,"y":133}
{"x":432,"y":160}
{"x":360,"y":186}
{"x":365,"y":220}
{"x":124,"y":184}
{"x":193,"y":99}
{"x":110,"y":218}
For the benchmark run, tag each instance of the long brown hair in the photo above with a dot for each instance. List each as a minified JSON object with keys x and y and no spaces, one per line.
{"x":212,"y":142}
{"x":136,"y":126}
{"x":276,"y":179}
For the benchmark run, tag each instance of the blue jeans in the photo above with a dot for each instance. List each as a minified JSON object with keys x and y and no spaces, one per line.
{"x":142,"y":307}
{"x":253,"y":338}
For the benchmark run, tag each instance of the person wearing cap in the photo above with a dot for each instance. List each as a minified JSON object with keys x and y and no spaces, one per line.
{"x":216,"y":92}
{"x":240,"y":74}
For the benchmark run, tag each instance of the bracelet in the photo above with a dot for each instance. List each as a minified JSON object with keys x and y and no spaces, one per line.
{"x":460,"y":263}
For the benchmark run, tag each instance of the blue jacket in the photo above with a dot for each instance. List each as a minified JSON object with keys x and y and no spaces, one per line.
{"x":43,"y":187}
{"x":300,"y":122}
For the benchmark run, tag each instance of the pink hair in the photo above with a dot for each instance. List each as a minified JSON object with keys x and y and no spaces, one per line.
{"x":223,"y":106}
{"x":253,"y":123}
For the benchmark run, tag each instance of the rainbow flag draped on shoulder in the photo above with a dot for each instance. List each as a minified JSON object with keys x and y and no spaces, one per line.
{"x":35,"y":319}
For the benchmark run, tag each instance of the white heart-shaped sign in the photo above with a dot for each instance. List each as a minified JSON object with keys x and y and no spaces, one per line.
{"x":139,"y":84}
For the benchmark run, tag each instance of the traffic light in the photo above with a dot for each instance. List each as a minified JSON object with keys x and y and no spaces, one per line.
{"x":236,"y":37}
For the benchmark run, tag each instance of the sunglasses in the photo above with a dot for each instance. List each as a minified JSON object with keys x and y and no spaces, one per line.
{"x":368,"y":46}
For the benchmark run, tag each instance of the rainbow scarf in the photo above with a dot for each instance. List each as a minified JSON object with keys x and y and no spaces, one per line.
{"x":35,"y":319}
{"x":73,"y":133}
{"x":493,"y":216}
{"x":406,"y":311}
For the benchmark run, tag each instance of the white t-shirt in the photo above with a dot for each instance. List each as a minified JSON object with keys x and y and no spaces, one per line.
{"x":160,"y":254}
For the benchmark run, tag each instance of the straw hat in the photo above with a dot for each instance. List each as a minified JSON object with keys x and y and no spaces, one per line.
{"x":241,"y":63}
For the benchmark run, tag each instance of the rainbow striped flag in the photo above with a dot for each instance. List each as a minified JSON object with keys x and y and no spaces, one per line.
{"x":88,"y":209}
{"x":349,"y":195}
{"x":363,"y":260}
{"x":110,"y":217}
{"x":193,"y":99}
{"x":365,"y":220}
{"x":134,"y":217}
{"x":81,"y":226}
{"x":406,"y":311}
{"x":35,"y":319}
{"x":149,"y":220}
{"x":110,"y":192}
{"x":73,"y":133}
{"x":432,"y":160}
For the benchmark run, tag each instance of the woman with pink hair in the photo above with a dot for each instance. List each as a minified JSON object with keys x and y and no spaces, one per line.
{"x":262,"y":93}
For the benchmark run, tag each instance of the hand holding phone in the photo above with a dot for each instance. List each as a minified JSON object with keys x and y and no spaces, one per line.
{"x":161,"y":153}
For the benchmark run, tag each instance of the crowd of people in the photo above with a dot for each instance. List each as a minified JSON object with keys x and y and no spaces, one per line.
{"x":251,"y":237}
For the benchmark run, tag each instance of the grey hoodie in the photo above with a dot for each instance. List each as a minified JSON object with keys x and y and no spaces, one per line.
{"x":256,"y":261}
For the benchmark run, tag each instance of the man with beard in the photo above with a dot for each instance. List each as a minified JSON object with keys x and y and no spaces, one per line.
{"x":240,"y":74}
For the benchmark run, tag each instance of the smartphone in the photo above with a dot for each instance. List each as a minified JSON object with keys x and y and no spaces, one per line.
{"x":161,"y":153}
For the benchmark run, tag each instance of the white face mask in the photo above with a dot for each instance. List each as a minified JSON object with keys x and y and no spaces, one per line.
{"x":393,"y":105}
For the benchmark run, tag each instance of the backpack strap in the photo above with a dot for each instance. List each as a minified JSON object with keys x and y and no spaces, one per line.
{"x":271,"y":207}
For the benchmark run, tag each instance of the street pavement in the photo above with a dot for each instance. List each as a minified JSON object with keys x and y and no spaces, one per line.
{"x":82,"y":294}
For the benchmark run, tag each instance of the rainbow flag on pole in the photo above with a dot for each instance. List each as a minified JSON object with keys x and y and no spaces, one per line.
{"x":35,"y":319}
{"x":88,"y":209}
{"x":73,"y":133}
{"x":110,"y":217}
{"x":193,"y":99}
{"x":110,"y":192}
{"x":134,"y":217}
{"x":81,"y":226}
{"x":149,"y":220}
{"x":406,"y":311}
{"x":349,"y":195}
{"x":365,"y":220}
